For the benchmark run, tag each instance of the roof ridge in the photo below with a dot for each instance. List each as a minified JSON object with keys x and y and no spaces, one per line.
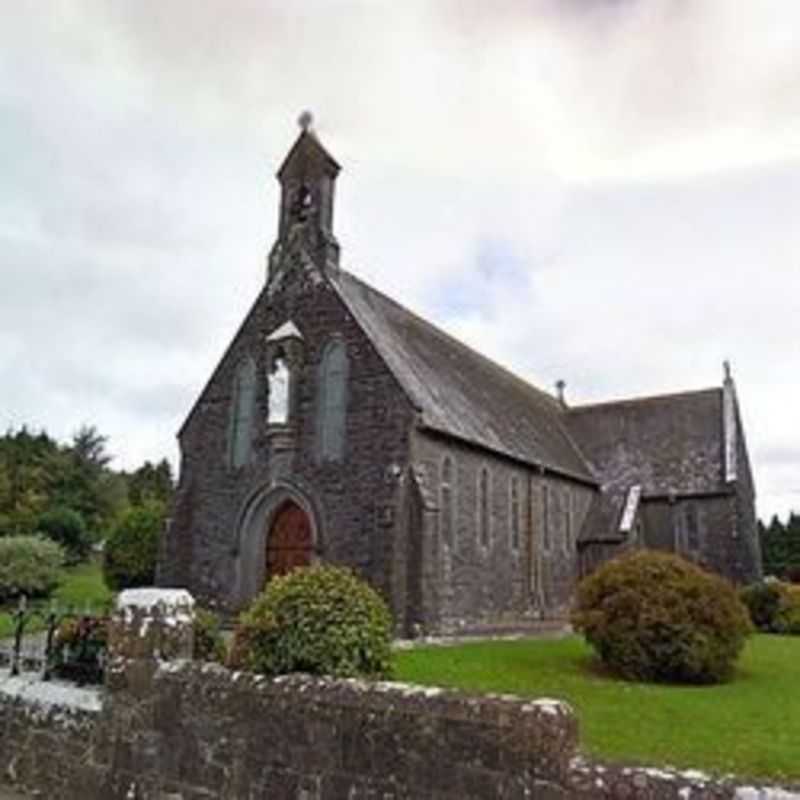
{"x":652,"y":398}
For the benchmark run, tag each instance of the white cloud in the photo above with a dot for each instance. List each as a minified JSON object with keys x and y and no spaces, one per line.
{"x":600,"y":190}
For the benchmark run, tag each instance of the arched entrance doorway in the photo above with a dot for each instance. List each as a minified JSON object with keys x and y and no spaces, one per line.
{"x":290,"y":542}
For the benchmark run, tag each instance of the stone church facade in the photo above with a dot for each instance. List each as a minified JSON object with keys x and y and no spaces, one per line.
{"x":341,"y":427}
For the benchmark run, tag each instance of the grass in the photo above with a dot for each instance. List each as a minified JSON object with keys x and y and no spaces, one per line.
{"x":749,"y":726}
{"x":81,"y":586}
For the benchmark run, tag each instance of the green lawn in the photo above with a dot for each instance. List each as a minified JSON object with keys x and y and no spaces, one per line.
{"x":81,"y":586}
{"x":750,"y":726}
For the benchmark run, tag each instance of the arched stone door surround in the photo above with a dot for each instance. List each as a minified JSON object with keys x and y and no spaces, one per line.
{"x":259,"y":516}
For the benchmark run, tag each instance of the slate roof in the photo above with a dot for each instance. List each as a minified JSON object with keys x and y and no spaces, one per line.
{"x":668,"y":444}
{"x":459,"y":392}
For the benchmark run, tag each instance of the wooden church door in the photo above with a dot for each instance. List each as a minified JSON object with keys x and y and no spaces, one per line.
{"x":289,"y":543}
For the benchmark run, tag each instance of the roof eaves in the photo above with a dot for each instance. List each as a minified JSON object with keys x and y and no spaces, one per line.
{"x":587,"y":480}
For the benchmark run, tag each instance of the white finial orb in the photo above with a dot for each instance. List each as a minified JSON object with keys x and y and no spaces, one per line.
{"x":305,"y":120}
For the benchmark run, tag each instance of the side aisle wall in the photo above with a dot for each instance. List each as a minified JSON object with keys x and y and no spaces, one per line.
{"x":492,"y":571}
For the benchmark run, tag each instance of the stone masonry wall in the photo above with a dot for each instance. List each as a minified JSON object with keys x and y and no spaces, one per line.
{"x":470,"y":586}
{"x":201,"y":732}
{"x":354,"y":502}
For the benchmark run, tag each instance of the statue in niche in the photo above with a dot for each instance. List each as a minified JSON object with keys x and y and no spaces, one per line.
{"x":279,"y":392}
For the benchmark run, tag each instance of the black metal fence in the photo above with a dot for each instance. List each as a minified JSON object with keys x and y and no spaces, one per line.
{"x":57,"y":642}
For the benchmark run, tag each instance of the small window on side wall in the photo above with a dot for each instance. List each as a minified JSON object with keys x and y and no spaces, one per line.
{"x":242,"y":409}
{"x":446,"y":501}
{"x":692,"y":528}
{"x":569,"y":544}
{"x":483,"y":507}
{"x":546,"y":542}
{"x":514,"y":512}
{"x":332,"y":402}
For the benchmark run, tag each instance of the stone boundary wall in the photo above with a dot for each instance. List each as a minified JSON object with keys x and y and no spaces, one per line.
{"x":51,"y":741}
{"x":201,"y":732}
{"x":167,"y":728}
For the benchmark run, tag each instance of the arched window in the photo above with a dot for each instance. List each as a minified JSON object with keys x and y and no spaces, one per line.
{"x":332,"y":402}
{"x":483,"y":507}
{"x":514,"y":510}
{"x":446,"y":501}
{"x":242,"y":408}
{"x":546,"y":517}
{"x":568,"y":534}
{"x":692,"y":528}
{"x":279,"y":392}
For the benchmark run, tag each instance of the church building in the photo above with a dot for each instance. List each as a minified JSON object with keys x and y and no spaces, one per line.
{"x":341,"y":427}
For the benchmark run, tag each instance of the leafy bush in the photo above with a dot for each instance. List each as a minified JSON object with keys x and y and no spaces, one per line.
{"x":787,"y":620}
{"x":774,"y":606}
{"x":67,"y":527}
{"x":656,"y":617}
{"x":763,"y":601}
{"x":321,"y":620}
{"x":208,"y":642}
{"x":29,"y":565}
{"x":132,"y":548}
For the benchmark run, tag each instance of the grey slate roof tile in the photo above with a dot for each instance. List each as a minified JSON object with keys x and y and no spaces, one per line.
{"x":459,"y":392}
{"x":670,"y":444}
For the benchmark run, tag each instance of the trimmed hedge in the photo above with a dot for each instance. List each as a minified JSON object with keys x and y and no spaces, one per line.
{"x":29,"y":565}
{"x":321,"y":620}
{"x":656,"y":617}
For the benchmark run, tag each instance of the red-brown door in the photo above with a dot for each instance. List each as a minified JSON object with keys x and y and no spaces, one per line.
{"x":289,"y":543}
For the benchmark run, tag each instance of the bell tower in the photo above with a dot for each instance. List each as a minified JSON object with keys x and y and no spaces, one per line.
{"x":307,"y":178}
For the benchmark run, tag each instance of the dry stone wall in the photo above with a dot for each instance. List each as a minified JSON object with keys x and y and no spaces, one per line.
{"x":167,"y":728}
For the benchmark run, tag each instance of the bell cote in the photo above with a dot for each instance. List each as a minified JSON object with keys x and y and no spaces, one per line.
{"x":307,"y":178}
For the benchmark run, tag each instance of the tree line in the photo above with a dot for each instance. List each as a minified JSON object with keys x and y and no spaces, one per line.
{"x":780,"y":547}
{"x":68,"y":492}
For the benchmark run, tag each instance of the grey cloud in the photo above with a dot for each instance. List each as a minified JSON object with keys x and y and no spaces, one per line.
{"x":138,"y":197}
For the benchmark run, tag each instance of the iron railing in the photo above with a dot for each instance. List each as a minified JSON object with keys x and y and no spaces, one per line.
{"x":68,"y":643}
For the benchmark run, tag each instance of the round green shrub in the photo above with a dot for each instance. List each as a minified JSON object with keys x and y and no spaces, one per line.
{"x":763,"y":601}
{"x":67,"y":527}
{"x":321,"y":620}
{"x":29,"y":565}
{"x":787,"y":619}
{"x":209,"y":644}
{"x":132,"y":547}
{"x":655,"y":617}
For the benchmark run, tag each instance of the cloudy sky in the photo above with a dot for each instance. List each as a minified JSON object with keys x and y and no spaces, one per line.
{"x":604,"y":191}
